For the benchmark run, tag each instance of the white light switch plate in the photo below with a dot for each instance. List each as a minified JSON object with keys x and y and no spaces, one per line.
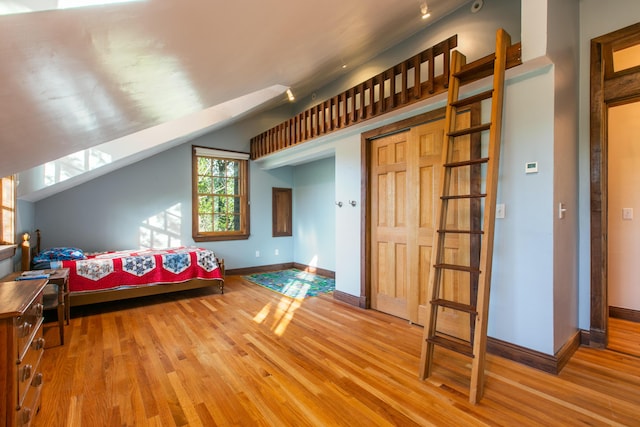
{"x":500,"y":210}
{"x":627,"y":213}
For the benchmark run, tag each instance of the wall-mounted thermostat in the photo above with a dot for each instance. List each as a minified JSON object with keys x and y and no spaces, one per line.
{"x":531,"y":167}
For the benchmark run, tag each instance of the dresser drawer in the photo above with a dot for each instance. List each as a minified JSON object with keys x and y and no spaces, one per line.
{"x":27,"y":324}
{"x":31,"y":404}
{"x":29,"y":366}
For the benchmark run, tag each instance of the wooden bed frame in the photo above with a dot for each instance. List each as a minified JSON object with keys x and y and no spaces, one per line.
{"x":94,"y":297}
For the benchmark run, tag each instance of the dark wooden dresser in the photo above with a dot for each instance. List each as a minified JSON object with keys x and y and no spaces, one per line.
{"x":21,"y":350}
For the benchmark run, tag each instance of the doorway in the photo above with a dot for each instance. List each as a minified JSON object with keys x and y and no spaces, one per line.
{"x":623,"y":226}
{"x":615,"y":82}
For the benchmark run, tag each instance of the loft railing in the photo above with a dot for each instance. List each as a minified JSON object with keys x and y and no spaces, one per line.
{"x":408,"y":82}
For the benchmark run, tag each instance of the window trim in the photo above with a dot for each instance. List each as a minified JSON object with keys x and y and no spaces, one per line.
{"x":243,"y":233}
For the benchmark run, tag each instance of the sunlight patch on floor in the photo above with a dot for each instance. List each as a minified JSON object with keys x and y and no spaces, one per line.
{"x":284,"y":314}
{"x":262,"y":314}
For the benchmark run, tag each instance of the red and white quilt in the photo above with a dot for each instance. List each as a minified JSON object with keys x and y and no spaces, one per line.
{"x":136,"y":268}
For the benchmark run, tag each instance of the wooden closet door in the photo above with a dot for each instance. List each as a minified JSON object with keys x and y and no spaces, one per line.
{"x":389,"y":224}
{"x":425,"y":184}
{"x":405,"y":175}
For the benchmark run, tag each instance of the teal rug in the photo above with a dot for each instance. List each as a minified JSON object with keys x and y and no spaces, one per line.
{"x":294,"y":283}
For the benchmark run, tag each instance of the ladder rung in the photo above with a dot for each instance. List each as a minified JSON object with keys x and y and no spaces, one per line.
{"x":461,"y":231}
{"x":454,"y":345}
{"x":455,"y":305}
{"x":466,"y":268}
{"x":466,"y":163}
{"x":472,"y":99}
{"x":468,"y":131}
{"x":464,"y":196}
{"x":480,"y":67}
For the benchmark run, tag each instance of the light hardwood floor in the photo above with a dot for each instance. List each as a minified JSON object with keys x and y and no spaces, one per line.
{"x":624,"y":336}
{"x":253,"y":358}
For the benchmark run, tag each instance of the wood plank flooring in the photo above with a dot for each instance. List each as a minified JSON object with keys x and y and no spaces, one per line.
{"x":624,"y":336}
{"x":253,"y":358}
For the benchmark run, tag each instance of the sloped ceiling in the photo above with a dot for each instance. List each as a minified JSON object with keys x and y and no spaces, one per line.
{"x":78,"y":77}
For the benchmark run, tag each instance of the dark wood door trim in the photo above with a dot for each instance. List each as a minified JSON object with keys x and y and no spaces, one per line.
{"x":607,"y":89}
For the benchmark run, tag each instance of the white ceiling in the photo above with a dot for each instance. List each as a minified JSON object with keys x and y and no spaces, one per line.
{"x":79,"y":77}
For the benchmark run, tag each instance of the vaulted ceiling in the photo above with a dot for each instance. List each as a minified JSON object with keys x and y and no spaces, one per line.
{"x":78,"y":77}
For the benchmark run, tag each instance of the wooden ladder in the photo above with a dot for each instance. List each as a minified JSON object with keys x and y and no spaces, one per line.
{"x":480,"y":228}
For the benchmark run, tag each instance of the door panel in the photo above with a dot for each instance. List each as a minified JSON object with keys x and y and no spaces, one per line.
{"x":428,"y":140}
{"x":389,"y":225}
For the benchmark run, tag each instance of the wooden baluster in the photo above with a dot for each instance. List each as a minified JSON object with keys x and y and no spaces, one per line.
{"x":417,"y":86}
{"x":390,"y":75}
{"x":404,"y":83}
{"x":432,"y":71}
{"x":353,"y":105}
{"x":446,"y":61}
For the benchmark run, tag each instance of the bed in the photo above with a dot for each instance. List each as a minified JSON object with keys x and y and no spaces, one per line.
{"x":117,"y":275}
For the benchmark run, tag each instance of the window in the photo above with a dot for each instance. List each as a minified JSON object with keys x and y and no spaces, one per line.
{"x":620,"y":54}
{"x":220,"y":195}
{"x":626,"y":58}
{"x":8,"y":217}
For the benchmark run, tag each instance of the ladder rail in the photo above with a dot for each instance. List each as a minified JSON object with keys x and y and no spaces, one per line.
{"x":503,"y":40}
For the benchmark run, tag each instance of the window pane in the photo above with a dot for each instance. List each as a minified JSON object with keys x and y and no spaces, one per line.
{"x":219,"y":205}
{"x":205,"y":204}
{"x":219,"y":222}
{"x":219,"y":167}
{"x":232,"y":169}
{"x":626,"y":58}
{"x":226,"y":222}
{"x":7,"y":215}
{"x":205,"y":223}
{"x":233,"y":186}
{"x":205,"y":184}
{"x":204,"y":166}
{"x":7,"y":225}
{"x":219,"y":186}
{"x":236,"y":222}
{"x":7,"y":192}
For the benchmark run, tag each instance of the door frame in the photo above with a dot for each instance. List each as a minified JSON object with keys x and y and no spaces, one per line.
{"x":608,"y":88}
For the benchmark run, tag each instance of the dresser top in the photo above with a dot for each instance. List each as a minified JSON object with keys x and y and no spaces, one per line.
{"x":15,"y":297}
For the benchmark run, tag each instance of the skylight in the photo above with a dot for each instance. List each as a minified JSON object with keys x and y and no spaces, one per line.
{"x":68,"y":4}
{"x":11,"y":7}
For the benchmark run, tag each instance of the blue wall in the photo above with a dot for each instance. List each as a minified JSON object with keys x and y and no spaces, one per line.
{"x":314,"y":219}
{"x":109,"y":213}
